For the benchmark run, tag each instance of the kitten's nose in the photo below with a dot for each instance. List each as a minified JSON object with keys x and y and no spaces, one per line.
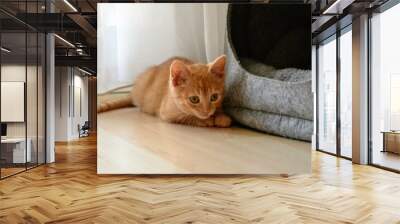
{"x":202,"y":115}
{"x":206,"y":114}
{"x":206,"y":110}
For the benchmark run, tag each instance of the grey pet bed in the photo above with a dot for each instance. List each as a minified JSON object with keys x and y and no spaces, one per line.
{"x":268,"y":83}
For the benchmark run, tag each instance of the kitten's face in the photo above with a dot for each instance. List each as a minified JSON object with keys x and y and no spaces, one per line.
{"x":198,"y":89}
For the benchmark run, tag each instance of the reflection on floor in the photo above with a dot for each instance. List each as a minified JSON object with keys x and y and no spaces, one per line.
{"x":11,"y":169}
{"x":386,"y":159}
{"x":131,"y":142}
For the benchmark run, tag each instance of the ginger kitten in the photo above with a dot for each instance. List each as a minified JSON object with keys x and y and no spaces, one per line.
{"x":180,"y":91}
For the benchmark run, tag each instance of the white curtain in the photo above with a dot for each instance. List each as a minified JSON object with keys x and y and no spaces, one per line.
{"x":132,"y":37}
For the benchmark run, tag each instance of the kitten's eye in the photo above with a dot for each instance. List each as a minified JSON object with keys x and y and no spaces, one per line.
{"x":214,"y":97}
{"x":194,"y":99}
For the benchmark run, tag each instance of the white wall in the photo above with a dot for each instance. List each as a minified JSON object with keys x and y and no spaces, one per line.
{"x":62,"y":82}
{"x":70,"y":83}
{"x":133,"y":37}
{"x":17,"y":73}
{"x":80,"y":103}
{"x":12,"y":73}
{"x":33,"y":127}
{"x":13,"y":101}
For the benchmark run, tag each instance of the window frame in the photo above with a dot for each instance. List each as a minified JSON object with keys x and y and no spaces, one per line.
{"x":27,"y":29}
{"x":334,"y":37}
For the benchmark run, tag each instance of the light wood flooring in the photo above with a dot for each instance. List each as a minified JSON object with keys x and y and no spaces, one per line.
{"x":70,"y":191}
{"x":132,"y":142}
{"x":386,"y":159}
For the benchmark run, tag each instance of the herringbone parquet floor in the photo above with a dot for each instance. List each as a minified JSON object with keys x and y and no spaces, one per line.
{"x":69,"y":191}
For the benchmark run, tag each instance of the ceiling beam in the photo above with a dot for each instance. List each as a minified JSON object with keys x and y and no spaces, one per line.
{"x":84,"y":24}
{"x":337,"y":7}
{"x":82,"y":61}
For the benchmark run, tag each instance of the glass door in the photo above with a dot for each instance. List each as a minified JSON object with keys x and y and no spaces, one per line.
{"x":22,"y":78}
{"x":14,"y":153}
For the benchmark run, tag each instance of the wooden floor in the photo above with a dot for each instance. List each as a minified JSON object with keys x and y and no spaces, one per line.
{"x":386,"y":159}
{"x":10,"y":171}
{"x":132,"y":142}
{"x":70,"y":191}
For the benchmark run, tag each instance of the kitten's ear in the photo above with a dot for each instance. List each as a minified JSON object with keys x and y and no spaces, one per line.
{"x":178,"y":73}
{"x":218,"y":66}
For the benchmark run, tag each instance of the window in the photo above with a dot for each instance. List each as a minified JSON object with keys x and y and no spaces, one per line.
{"x":327,"y":95}
{"x":334,"y":106}
{"x":346,"y":75}
{"x":385,"y":89}
{"x":394,"y":101}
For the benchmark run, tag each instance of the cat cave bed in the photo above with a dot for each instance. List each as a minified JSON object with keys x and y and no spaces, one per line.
{"x":268,"y":76}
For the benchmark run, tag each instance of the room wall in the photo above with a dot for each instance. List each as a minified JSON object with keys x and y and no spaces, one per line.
{"x":62,"y":81}
{"x":127,"y":44}
{"x":17,"y":73}
{"x":71,"y":87}
{"x":33,"y":127}
{"x":14,"y":73}
{"x":79,"y":109}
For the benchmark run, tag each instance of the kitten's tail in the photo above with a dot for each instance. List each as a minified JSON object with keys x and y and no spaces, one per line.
{"x":121,"y":102}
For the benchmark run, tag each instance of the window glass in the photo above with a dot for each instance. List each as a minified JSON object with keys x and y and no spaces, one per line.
{"x":385,"y":88}
{"x":327,"y":96}
{"x":22,"y":91}
{"x":346,"y":94}
{"x":14,"y":153}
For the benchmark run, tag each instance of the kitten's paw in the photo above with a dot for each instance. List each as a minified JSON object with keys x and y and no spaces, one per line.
{"x":203,"y":123}
{"x":222,"y":121}
{"x":209,"y":122}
